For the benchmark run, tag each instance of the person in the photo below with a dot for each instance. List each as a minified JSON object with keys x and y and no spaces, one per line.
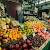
{"x":20,"y":16}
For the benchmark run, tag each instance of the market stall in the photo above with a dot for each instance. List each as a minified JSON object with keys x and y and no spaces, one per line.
{"x":28,"y":35}
{"x":32,"y":34}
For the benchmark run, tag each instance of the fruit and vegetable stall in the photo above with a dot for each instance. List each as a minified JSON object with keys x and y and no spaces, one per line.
{"x":33,"y":34}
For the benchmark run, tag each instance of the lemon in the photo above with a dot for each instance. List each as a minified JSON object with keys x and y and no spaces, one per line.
{"x":10,"y":35}
{"x":0,"y":48}
{"x":6,"y":35}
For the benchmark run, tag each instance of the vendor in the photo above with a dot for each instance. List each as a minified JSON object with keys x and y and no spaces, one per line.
{"x":20,"y":16}
{"x":15,"y":11}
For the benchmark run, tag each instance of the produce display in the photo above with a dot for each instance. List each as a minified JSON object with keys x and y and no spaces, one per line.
{"x":11,"y":31}
{"x":26,"y":31}
{"x":7,"y":22}
{"x":29,"y":24}
{"x":35,"y":20}
{"x":23,"y":45}
{"x":41,"y":23}
{"x":44,"y":34}
{"x":36,"y":40}
{"x":38,"y":26}
{"x":34,"y":26}
{"x":10,"y":34}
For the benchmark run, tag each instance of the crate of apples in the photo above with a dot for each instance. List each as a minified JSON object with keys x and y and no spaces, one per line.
{"x":22,"y":45}
{"x":37,"y":41}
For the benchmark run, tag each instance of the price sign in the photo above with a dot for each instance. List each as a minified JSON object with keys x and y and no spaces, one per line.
{"x":45,"y":30}
{"x":24,"y":37}
{"x":33,"y":34}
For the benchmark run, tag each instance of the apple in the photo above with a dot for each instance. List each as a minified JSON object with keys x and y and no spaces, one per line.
{"x":19,"y":49}
{"x":8,"y":39}
{"x":4,"y":49}
{"x":24,"y":45}
{"x":30,"y":44}
{"x":17,"y":46}
{"x":39,"y":31}
{"x":11,"y":46}
{"x":1,"y":34}
{"x":23,"y":41}
{"x":30,"y":49}
{"x":47,"y":32}
{"x":28,"y":41}
{"x":19,"y":43}
{"x":39,"y":34}
{"x":25,"y":49}
{"x":43,"y":35}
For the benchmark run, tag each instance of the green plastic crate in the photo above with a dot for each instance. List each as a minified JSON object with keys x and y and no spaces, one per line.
{"x":47,"y":47}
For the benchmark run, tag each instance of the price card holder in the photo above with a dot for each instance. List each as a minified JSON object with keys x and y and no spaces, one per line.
{"x":33,"y":34}
{"x":24,"y":37}
{"x":45,"y":30}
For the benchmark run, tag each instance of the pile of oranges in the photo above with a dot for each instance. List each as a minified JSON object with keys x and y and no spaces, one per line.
{"x":14,"y":34}
{"x":38,"y":26}
{"x":11,"y":34}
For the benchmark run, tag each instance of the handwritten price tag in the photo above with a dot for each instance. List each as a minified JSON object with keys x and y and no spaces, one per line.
{"x":24,"y":37}
{"x":33,"y":34}
{"x":45,"y":30}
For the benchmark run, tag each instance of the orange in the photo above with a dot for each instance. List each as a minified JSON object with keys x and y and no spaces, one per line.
{"x":5,"y":40}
